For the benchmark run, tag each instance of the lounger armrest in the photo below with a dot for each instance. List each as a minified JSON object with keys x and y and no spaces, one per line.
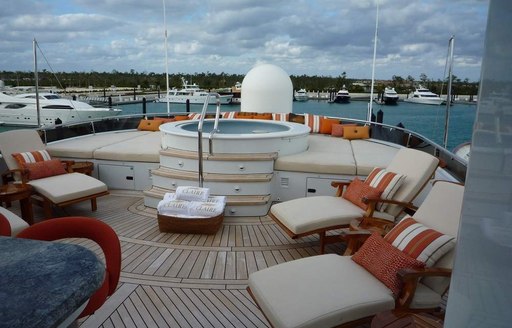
{"x":9,"y":175}
{"x":354,"y":240}
{"x":68,"y":165}
{"x":373,"y":224}
{"x":410,"y":278}
{"x":341,"y":185}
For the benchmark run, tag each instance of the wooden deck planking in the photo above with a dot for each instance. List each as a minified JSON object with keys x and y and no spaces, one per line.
{"x":180,"y":280}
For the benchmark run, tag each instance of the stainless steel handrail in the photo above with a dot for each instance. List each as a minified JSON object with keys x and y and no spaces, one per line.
{"x":215,"y":125}
{"x":200,"y":134}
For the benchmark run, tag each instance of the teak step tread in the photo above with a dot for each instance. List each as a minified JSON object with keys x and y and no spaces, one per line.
{"x":157,"y":192}
{"x":190,"y":175}
{"x":219,"y":156}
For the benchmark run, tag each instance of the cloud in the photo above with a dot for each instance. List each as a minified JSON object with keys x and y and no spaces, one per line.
{"x":314,"y":37}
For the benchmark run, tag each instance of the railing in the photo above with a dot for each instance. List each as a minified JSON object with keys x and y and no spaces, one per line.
{"x":210,"y":138}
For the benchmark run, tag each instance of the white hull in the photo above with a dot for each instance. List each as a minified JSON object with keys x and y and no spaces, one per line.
{"x":182,"y":99}
{"x":23,"y":111}
{"x":425,"y":101}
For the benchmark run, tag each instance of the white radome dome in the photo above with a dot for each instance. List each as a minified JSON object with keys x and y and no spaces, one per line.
{"x":267,"y":88}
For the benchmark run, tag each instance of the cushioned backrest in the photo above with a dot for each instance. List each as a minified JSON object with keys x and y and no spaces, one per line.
{"x":441,"y":211}
{"x":418,"y":167}
{"x":17,"y":141}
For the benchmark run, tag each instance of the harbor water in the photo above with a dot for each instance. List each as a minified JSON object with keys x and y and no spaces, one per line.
{"x":428,"y":120}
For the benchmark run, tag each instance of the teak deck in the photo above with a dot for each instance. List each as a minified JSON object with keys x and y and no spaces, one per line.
{"x":186,"y":280}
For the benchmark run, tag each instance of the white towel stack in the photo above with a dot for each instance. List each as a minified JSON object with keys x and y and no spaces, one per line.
{"x":192,"y":202}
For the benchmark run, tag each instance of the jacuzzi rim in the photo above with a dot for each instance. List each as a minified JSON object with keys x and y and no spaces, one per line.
{"x":295,"y":130}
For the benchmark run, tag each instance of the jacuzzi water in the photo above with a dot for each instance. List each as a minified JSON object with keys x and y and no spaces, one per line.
{"x":238,"y":136}
{"x":238,"y":127}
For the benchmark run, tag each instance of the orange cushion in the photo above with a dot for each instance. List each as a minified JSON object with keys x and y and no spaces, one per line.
{"x":356,"y":132}
{"x":422,"y":243}
{"x":31,"y":157}
{"x":45,"y":169}
{"x":244,"y":115}
{"x":337,"y":129}
{"x":326,"y":124}
{"x":164,"y":119}
{"x":149,"y":125}
{"x":181,"y":117}
{"x":296,"y":118}
{"x":357,"y":190}
{"x":262,"y":116}
{"x":384,"y":261}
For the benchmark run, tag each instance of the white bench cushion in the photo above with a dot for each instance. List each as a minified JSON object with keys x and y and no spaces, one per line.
{"x":369,"y":154}
{"x":319,"y":291}
{"x":143,"y":148}
{"x":84,"y":147}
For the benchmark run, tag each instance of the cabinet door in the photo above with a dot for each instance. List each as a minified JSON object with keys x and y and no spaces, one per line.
{"x":320,"y":187}
{"x":117,"y":176}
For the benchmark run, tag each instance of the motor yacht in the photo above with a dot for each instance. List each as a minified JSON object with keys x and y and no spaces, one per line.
{"x":390,"y":96}
{"x":21,"y":110}
{"x":192,"y":94}
{"x":301,"y":95}
{"x":342,"y":96}
{"x":424,"y":96}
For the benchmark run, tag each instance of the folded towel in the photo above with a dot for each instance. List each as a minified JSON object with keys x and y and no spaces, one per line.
{"x":170,"y":196}
{"x":192,"y":193}
{"x":206,"y":209}
{"x":174,"y":207}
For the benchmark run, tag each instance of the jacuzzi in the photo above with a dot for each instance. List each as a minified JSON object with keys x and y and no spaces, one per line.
{"x":238,"y":136}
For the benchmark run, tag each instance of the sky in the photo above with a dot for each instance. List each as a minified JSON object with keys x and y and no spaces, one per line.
{"x":310,"y":37}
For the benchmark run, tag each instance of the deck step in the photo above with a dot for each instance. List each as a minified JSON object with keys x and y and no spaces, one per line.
{"x":234,"y":200}
{"x":173,"y":152}
{"x":213,"y":177}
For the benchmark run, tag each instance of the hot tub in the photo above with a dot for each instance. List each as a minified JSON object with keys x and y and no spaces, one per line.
{"x":238,"y":136}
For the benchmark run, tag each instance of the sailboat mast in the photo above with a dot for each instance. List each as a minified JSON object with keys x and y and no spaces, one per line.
{"x":166,"y":63}
{"x":449,"y":91}
{"x":36,"y":78}
{"x":370,"y":109}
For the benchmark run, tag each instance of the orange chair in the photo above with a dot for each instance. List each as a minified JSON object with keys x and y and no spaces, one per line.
{"x":83,"y":227}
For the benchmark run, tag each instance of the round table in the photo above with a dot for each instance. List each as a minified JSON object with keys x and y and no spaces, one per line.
{"x":18,"y":192}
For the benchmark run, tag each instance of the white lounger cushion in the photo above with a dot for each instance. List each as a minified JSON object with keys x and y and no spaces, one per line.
{"x":143,"y":148}
{"x":17,"y":223}
{"x":66,"y":187}
{"x":310,"y":213}
{"x":319,"y":291}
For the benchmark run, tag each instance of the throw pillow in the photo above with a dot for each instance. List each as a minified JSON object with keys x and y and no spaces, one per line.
{"x":262,"y":116}
{"x":384,"y":261}
{"x":386,"y":181}
{"x":296,"y":118}
{"x":181,"y":118}
{"x":337,"y":129}
{"x":164,"y":119}
{"x":31,"y":157}
{"x":356,"y":132}
{"x":283,"y":117}
{"x":313,"y":121}
{"x":357,"y":190}
{"x":228,"y":115}
{"x":326,"y":125}
{"x":149,"y":125}
{"x":422,"y":243}
{"x":45,"y":169}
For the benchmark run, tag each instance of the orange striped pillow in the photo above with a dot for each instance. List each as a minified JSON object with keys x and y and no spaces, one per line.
{"x":386,"y":181}
{"x":283,"y":117}
{"x":422,"y":243}
{"x":313,"y":121}
{"x":31,"y":157}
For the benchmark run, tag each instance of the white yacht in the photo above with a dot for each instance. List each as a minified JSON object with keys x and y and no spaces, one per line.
{"x":424,"y":96}
{"x":342,"y":96}
{"x":21,"y":110}
{"x":301,"y":95}
{"x":193,"y":94}
{"x":390,"y":97}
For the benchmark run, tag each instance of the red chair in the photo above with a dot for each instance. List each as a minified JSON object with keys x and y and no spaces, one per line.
{"x":83,"y":227}
{"x":5,"y":226}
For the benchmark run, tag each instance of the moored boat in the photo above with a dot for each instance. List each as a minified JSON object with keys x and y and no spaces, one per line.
{"x":21,"y":110}
{"x":301,"y":95}
{"x":192,"y":94}
{"x":342,"y":96}
{"x":390,"y":96}
{"x":422,"y":95}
